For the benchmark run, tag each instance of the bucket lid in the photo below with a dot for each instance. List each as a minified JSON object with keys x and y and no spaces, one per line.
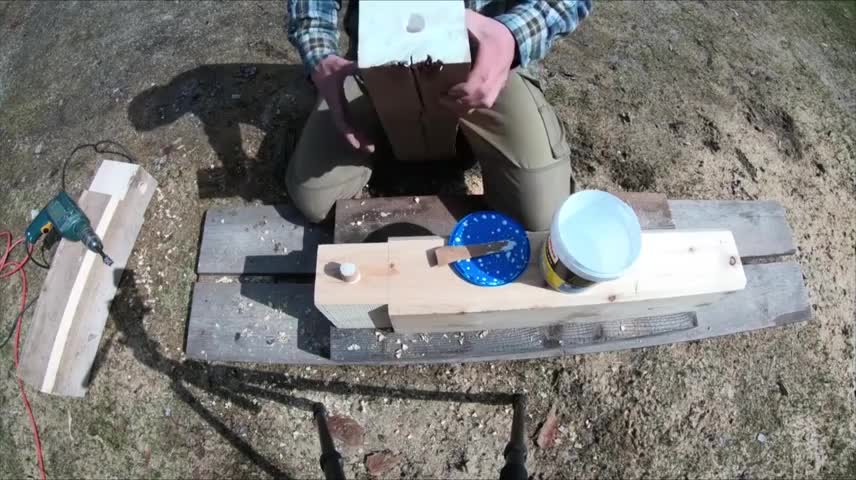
{"x":497,"y":268}
{"x":596,"y":235}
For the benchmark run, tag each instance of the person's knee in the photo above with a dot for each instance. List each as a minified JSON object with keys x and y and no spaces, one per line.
{"x":536,"y":221}
{"x":316,"y":197}
{"x":530,"y":196}
{"x":314,"y":204}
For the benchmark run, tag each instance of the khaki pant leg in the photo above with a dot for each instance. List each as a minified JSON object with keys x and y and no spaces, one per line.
{"x":523,"y":152}
{"x":324,"y":167}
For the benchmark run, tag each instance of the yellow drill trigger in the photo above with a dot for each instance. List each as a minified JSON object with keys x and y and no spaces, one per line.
{"x":46,"y":228}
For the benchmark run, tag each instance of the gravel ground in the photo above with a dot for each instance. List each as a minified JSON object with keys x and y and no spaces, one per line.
{"x":697,"y":100}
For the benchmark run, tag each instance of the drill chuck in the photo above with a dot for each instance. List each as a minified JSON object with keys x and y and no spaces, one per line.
{"x":90,"y":239}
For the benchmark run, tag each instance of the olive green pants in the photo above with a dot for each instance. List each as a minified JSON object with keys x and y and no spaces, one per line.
{"x":520,"y":144}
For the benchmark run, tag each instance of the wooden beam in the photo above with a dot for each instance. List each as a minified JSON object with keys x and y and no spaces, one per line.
{"x":410,"y":53}
{"x":677,"y":271}
{"x":74,"y":301}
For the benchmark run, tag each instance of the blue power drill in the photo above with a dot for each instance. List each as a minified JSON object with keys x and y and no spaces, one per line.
{"x":63,"y":214}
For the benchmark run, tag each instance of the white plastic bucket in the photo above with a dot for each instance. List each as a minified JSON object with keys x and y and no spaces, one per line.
{"x":594,"y":237}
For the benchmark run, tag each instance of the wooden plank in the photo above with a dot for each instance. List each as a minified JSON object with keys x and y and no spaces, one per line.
{"x":409,"y":53}
{"x":775,"y":296}
{"x":54,"y":297}
{"x":676,"y":271}
{"x":493,"y":344}
{"x":760,"y":227}
{"x":114,"y":178}
{"x":377,"y":219}
{"x":265,"y":240}
{"x":651,"y":208}
{"x":256,"y":322}
{"x":119,"y":236}
{"x":77,"y":328}
{"x":439,"y":124}
{"x":395,"y":97}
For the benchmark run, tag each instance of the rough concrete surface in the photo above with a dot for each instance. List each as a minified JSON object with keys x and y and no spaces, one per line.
{"x":695,"y":99}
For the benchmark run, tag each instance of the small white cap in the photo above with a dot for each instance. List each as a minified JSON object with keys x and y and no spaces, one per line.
{"x":349,"y":272}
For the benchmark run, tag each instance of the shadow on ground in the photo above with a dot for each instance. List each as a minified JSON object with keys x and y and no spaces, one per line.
{"x":275,"y":99}
{"x":240,"y":385}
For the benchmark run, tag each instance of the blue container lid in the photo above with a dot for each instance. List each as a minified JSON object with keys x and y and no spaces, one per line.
{"x":497,"y":268}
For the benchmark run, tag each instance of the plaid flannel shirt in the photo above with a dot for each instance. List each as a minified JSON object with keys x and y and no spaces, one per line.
{"x":534,"y":24}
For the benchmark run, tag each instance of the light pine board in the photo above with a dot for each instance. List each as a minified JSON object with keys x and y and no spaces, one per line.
{"x":677,"y":271}
{"x":78,"y":327}
{"x":266,"y":240}
{"x":362,"y":306}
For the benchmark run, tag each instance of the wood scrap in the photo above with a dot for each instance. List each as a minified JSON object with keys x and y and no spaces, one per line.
{"x":549,"y":430}
{"x":74,"y":301}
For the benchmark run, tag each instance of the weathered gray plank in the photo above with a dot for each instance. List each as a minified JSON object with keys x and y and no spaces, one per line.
{"x":224,"y":327}
{"x":760,"y":227}
{"x":377,"y":219}
{"x":266,"y":240}
{"x":257,"y":322}
{"x":367,"y":346}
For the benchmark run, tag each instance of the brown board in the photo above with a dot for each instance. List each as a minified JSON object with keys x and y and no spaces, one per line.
{"x":378,"y":219}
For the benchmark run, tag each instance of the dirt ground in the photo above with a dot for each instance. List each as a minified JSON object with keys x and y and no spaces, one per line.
{"x":698,"y":100}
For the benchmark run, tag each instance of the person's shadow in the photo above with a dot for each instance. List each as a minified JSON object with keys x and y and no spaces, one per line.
{"x":276,"y":100}
{"x":240,"y":385}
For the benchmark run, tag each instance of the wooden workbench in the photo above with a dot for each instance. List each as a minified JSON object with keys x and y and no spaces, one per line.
{"x":253,"y":301}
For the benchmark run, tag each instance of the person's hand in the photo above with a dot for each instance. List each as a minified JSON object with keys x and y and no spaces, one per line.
{"x":495,"y":54}
{"x":329,"y":78}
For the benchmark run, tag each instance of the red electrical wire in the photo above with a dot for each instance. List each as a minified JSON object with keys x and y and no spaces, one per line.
{"x":18,"y":267}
